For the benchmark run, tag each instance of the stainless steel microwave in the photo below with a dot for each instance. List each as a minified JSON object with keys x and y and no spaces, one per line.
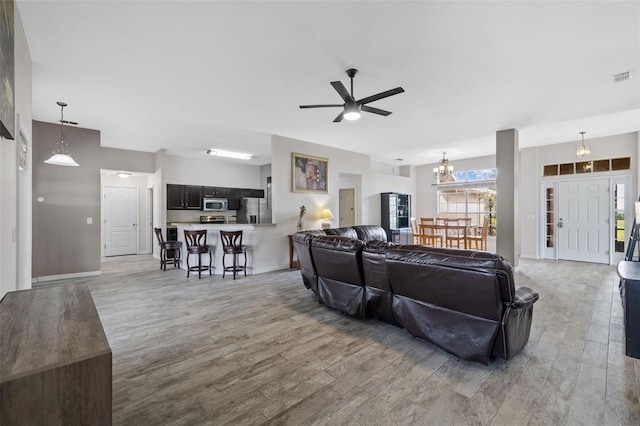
{"x":215,"y":204}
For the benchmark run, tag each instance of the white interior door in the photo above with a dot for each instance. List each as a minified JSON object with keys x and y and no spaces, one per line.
{"x":121,"y":220}
{"x":583,"y":220}
{"x":347,"y":207}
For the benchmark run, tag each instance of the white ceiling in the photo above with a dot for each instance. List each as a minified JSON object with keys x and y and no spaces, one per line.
{"x":192,"y":75}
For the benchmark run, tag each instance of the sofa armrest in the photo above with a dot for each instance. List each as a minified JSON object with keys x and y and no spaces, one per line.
{"x":524,"y":297}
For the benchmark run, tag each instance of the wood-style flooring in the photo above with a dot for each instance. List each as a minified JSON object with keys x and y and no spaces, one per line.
{"x":261,"y":350}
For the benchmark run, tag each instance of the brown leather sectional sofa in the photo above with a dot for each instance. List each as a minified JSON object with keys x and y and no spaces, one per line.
{"x":463,"y":301}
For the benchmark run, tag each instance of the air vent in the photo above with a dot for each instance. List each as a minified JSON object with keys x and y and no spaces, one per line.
{"x":623,"y":76}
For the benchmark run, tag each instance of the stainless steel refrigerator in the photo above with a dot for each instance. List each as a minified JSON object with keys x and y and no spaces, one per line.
{"x":253,"y":210}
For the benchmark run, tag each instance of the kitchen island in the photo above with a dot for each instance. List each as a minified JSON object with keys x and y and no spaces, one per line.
{"x":261,"y":256}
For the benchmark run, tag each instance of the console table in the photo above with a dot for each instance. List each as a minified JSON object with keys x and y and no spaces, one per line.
{"x":629,"y":273}
{"x":292,"y":263}
{"x":55,"y":367}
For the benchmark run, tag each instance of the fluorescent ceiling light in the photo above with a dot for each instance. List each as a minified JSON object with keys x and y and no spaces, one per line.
{"x":124,"y":175}
{"x":229,"y":154}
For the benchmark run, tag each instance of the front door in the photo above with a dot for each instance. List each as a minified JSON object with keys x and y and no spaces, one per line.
{"x":121,"y":220}
{"x":583,"y":220}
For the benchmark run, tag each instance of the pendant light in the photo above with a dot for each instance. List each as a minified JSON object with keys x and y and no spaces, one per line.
{"x":583,"y":149}
{"x":444,"y":172}
{"x":61,"y":155}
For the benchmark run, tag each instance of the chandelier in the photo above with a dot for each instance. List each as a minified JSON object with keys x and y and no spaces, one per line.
{"x":61,"y":155}
{"x":583,"y":149}
{"x":444,"y":172}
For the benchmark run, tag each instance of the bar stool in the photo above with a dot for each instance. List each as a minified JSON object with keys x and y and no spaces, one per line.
{"x":232,"y":244}
{"x":170,"y":251}
{"x":197,"y":244}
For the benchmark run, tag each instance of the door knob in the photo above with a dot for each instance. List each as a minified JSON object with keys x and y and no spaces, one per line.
{"x":560,"y":223}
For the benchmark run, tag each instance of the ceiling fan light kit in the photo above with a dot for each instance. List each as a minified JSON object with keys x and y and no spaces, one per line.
{"x":352,"y":108}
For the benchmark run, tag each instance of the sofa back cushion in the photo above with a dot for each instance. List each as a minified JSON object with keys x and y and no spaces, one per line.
{"x":466,"y":281}
{"x":368,"y":233}
{"x":338,"y":258}
{"x":342,"y":232}
{"x":374,"y":264}
{"x":302,"y":246}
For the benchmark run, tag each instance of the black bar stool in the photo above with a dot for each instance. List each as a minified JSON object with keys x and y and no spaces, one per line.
{"x":170,"y":251}
{"x":232,"y":244}
{"x":197,"y":244}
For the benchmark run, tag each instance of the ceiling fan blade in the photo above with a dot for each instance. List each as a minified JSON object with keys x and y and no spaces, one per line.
{"x":342,"y":91}
{"x":381,"y":95}
{"x":375,"y":110}
{"x":321,"y":106}
{"x":339,"y":117}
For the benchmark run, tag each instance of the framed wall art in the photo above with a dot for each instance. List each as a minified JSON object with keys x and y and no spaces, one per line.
{"x":309,"y":174}
{"x":7,"y":71}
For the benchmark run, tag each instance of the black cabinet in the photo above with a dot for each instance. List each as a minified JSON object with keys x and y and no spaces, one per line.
{"x":629,"y":273}
{"x":189,"y":197}
{"x":395,"y":210}
{"x":209,"y":191}
{"x":181,"y":197}
{"x":175,"y":194}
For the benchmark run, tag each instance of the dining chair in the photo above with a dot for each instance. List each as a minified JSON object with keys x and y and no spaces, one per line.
{"x":480,"y":241}
{"x":430,"y":235}
{"x":417,"y":235}
{"x":454,"y":232}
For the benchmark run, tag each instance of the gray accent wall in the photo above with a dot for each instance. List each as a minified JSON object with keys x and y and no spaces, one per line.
{"x":63,"y":242}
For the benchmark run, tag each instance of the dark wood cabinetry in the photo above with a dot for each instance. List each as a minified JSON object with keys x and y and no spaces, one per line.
{"x":395,"y":213}
{"x":189,"y":197}
{"x":181,"y":197}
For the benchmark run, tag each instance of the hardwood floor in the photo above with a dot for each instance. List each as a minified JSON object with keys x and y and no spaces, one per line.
{"x":261,"y":350}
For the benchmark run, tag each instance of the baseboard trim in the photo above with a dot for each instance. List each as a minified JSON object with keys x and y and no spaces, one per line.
{"x":65,"y":276}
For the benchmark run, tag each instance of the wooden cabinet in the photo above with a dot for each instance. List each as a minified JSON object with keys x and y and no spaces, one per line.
{"x":55,"y":367}
{"x":189,"y":197}
{"x":395,"y":210}
{"x":184,"y":197}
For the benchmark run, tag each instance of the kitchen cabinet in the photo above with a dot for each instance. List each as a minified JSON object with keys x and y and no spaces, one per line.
{"x":189,"y":197}
{"x":184,"y":197}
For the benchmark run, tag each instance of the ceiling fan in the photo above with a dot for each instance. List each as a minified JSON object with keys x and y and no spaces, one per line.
{"x":352,"y":107}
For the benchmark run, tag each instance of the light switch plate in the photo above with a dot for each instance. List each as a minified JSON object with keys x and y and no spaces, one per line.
{"x":89,"y":221}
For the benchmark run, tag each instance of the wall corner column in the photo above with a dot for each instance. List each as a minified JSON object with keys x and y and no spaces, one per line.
{"x":508,"y":196}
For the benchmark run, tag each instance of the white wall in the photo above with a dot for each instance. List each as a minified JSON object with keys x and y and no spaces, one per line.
{"x":534,"y":159}
{"x":15,"y":186}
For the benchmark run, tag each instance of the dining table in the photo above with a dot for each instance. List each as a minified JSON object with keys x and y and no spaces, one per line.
{"x":466,"y":229}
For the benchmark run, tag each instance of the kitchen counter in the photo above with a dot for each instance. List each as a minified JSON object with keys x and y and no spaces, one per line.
{"x":257,"y":237}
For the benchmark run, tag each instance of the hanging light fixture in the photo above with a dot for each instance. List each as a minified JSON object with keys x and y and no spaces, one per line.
{"x":61,"y":155}
{"x":444,"y":172}
{"x":583,"y":149}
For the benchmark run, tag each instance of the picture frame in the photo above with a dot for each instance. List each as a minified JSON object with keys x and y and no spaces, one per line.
{"x":309,"y":174}
{"x":7,"y":70}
